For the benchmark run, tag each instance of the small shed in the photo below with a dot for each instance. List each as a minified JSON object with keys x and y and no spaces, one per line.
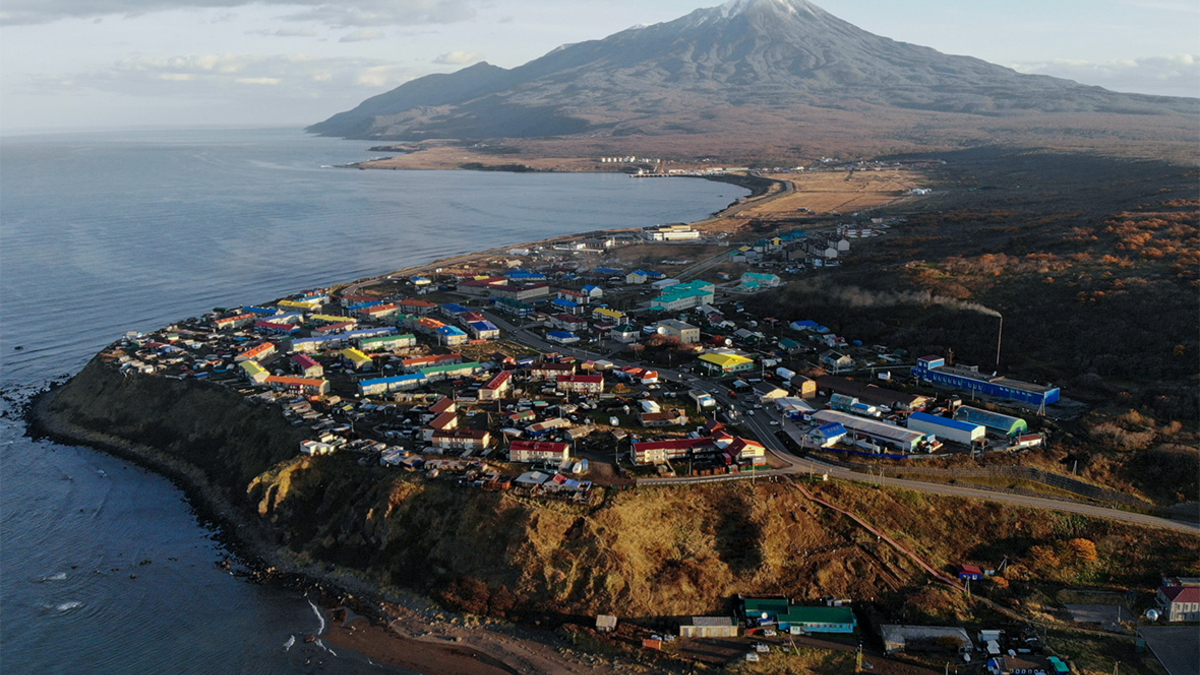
{"x":970,"y":572}
{"x":606,"y":623}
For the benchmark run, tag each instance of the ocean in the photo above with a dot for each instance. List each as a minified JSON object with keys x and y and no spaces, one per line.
{"x":104,"y":567}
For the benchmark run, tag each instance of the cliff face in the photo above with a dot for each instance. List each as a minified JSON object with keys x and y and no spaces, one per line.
{"x":208,"y":426}
{"x":640,"y":553}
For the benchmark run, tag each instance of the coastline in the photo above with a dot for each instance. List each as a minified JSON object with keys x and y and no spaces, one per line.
{"x":393,"y":626}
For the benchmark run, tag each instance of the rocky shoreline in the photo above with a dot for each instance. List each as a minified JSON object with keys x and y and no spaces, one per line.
{"x":395,"y":626}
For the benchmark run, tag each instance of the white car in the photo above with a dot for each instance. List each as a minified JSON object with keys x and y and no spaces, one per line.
{"x":769,"y":632}
{"x":752,"y":657}
{"x":774,"y":423}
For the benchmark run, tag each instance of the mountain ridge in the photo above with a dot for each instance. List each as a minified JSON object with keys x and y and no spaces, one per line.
{"x":769,"y":57}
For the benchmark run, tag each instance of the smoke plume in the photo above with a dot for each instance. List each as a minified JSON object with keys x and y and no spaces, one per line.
{"x":861,"y":297}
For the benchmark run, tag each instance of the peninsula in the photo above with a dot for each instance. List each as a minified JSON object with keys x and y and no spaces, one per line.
{"x":925,"y":396}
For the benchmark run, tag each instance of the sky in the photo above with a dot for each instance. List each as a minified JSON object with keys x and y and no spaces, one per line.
{"x":129,"y":64}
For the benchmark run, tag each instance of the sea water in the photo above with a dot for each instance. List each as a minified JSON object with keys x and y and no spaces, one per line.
{"x":103,"y":566}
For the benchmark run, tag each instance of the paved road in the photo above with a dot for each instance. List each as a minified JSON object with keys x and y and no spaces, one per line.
{"x":760,"y":424}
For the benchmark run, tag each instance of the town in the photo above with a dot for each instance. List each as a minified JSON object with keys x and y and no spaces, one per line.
{"x":550,"y":373}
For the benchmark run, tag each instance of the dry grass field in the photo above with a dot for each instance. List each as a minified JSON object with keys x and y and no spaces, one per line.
{"x":841,"y":191}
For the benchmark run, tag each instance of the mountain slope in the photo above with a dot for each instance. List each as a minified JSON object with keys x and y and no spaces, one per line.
{"x":763,"y":59}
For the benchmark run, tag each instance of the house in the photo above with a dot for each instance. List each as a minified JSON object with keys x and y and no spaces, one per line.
{"x":742,"y":450}
{"x":642,"y":276}
{"x":685,"y":333}
{"x":836,"y":360}
{"x":593,"y":292}
{"x":671,"y":418}
{"x":765,"y":391}
{"x":969,"y":573}
{"x":625,"y":334}
{"x":580,"y":384}
{"x":568,"y":322}
{"x":826,"y":435}
{"x":447,"y":421}
{"x":538,"y":451}
{"x":387,"y":342}
{"x":497,"y":388}
{"x":1179,"y":603}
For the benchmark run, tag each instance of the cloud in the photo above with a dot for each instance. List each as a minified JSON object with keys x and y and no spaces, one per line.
{"x":457,"y":58}
{"x":362,"y":35}
{"x":336,"y":13}
{"x":294,"y":32}
{"x":223,"y":76}
{"x":1177,"y":75}
{"x":382,"y":76}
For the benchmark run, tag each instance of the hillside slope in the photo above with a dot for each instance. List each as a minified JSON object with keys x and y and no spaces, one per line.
{"x":784,"y":68}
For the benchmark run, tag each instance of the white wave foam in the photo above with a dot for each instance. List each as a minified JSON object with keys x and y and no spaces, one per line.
{"x":57,"y":576}
{"x":63,"y":607}
{"x":290,"y":641}
{"x":320,"y":617}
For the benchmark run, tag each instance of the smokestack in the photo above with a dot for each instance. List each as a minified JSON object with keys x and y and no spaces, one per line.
{"x":999,"y":337}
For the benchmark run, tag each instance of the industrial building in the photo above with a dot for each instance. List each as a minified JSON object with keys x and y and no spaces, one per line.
{"x":934,"y":369}
{"x":905,"y":440}
{"x":946,"y":428}
{"x":1004,"y":425}
{"x":708,"y":627}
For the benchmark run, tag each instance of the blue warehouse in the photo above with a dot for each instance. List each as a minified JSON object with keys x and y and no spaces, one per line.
{"x":934,"y":369}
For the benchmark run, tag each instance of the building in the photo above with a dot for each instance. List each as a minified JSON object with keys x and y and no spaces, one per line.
{"x":417,"y":306}
{"x":826,"y":435}
{"x":451,"y":370}
{"x":519,"y":293}
{"x":724,"y":364}
{"x":709,"y":627}
{"x":626,"y":334}
{"x":1003,"y":425}
{"x":484,"y":330}
{"x":562,"y":337}
{"x":752,"y":282}
{"x":806,"y":387}
{"x":384,"y":385}
{"x":307,"y":366}
{"x":254,"y":372}
{"x":606,"y":313}
{"x":1179,"y":603}
{"x":671,"y":418}
{"x":765,"y":391}
{"x":658,"y":452}
{"x":386,"y":342}
{"x":580,"y":384}
{"x":300,"y":385}
{"x":497,"y":388}
{"x":236,"y":321}
{"x":451,"y":336}
{"x":964,"y":433}
{"x":462,"y":439}
{"x":538,"y":451}
{"x":684,"y":296}
{"x":685,"y":333}
{"x":606,"y":623}
{"x":548,"y":370}
{"x":356,"y":359}
{"x":970,"y":572}
{"x":934,"y":369}
{"x":799,"y":620}
{"x":924,"y":638}
{"x":879,"y":433}
{"x":836,"y":360}
{"x":256,"y":353}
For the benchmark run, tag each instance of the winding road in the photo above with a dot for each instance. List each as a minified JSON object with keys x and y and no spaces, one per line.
{"x":760,"y":424}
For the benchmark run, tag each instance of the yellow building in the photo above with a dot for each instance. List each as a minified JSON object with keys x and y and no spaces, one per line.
{"x":356,"y":358}
{"x":726,"y":363}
